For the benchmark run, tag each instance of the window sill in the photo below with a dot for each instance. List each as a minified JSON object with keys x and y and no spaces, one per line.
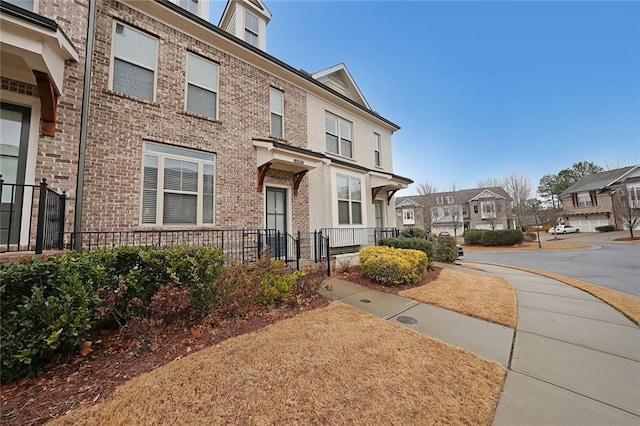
{"x":183,"y":227}
{"x":201,"y":117}
{"x":130,"y":97}
{"x":338,"y":156}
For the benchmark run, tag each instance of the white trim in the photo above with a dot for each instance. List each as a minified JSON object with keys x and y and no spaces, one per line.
{"x":364,"y":199}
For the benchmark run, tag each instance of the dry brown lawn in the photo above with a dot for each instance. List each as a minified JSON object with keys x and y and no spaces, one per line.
{"x":479,"y":295}
{"x":334,"y":365}
{"x":627,"y":304}
{"x":546,"y":245}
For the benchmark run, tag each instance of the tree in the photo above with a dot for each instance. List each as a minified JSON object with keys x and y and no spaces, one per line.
{"x":628,"y":207}
{"x":456,"y":213}
{"x":548,"y":189}
{"x":519,"y":189}
{"x":585,"y":168}
{"x":426,"y":191}
{"x":489,"y":183}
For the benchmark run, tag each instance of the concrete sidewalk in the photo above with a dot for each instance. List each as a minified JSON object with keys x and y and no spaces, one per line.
{"x":575,"y":359}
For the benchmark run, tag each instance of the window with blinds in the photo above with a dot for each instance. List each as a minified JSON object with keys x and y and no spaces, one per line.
{"x":202,"y":86}
{"x":277,"y":112}
{"x":135,"y":57}
{"x":177,"y":186}
{"x":349,"y":200}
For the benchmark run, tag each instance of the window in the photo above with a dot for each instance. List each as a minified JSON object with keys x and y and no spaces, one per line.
{"x":250,"y":29}
{"x":25,"y":4}
{"x":376,"y":149}
{"x":634,"y":196}
{"x":349,"y":200}
{"x":450,"y":199}
{"x":177,"y":186}
{"x":134,"y":62}
{"x":584,"y":201}
{"x":202,"y":86}
{"x":408,"y":217}
{"x":277,"y":112}
{"x":338,"y":135}
{"x":190,"y":5}
{"x":379,"y":213}
{"x":475,"y":208}
{"x":439,"y":200}
{"x":488,"y":210}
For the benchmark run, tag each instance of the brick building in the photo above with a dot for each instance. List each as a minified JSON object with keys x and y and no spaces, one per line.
{"x":184,"y":124}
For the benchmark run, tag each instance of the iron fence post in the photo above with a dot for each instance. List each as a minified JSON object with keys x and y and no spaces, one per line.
{"x":298,"y":252}
{"x":63,"y":207}
{"x":41,"y":214}
{"x":259,"y":244}
{"x":328,"y":257}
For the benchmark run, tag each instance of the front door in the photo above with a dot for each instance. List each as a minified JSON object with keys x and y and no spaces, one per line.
{"x":14,"y":140}
{"x":276,"y":220}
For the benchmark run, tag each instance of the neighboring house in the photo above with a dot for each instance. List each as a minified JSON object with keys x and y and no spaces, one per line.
{"x":595,"y":199}
{"x":456,"y":211}
{"x":189,"y":125}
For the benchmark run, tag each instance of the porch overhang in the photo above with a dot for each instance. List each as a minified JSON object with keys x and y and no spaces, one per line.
{"x":271,"y":154}
{"x":387,"y":183}
{"x":34,"y":51}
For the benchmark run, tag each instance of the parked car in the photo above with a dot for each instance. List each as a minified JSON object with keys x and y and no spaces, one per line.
{"x":444,"y":234}
{"x":563,"y":229}
{"x":460,"y":250}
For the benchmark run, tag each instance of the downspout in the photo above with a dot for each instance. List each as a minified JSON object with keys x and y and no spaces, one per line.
{"x":84,"y":117}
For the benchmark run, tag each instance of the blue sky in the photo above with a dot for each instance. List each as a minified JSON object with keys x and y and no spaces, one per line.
{"x":480,"y":88}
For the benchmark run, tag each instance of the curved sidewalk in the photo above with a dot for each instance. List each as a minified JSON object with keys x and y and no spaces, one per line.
{"x":572,"y":359}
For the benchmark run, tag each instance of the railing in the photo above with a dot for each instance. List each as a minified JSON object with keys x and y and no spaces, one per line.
{"x":238,"y":245}
{"x":24,"y":208}
{"x":351,"y":240}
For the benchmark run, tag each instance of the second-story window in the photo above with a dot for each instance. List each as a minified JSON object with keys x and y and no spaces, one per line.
{"x":338,"y":135}
{"x":202,"y":86}
{"x":376,"y":150}
{"x":488,"y":210}
{"x":134,"y":62}
{"x":449,"y":199}
{"x":25,"y":4}
{"x":250,"y":29}
{"x":277,"y":112}
{"x":584,"y":201}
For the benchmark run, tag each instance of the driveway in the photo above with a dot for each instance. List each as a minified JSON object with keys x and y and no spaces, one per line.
{"x":609,"y":264}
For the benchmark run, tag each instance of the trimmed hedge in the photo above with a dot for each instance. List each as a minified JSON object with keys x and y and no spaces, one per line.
{"x":447,"y":249}
{"x":473,"y":236}
{"x":390,"y":266}
{"x":424,"y":245}
{"x":413,"y":233}
{"x":606,"y":228}
{"x":502,"y":237}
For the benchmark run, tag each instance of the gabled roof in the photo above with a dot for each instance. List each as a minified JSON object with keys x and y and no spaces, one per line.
{"x":406,"y":202}
{"x":338,"y":78}
{"x":598,"y":181}
{"x":461,"y":196}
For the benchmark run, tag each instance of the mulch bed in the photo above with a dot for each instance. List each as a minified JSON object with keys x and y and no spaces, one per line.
{"x":354,"y":275}
{"x":115,"y":356}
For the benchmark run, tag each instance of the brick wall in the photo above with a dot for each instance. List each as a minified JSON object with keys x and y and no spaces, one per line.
{"x":118,"y":124}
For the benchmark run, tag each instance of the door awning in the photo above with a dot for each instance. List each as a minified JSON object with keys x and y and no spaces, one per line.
{"x":389,"y":184}
{"x":276,"y":155}
{"x":34,"y":51}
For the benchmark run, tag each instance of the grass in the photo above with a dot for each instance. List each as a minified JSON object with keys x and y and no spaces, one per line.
{"x":479,"y":295}
{"x":627,"y":304}
{"x":335,"y":365}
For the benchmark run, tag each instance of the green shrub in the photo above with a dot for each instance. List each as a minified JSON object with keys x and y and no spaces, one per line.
{"x":389,"y":266}
{"x":531,"y":235}
{"x":503,"y":237}
{"x":473,"y":236}
{"x":413,"y":233}
{"x":46,"y":309}
{"x":606,"y":228}
{"x":446,"y":249}
{"x":424,"y":245}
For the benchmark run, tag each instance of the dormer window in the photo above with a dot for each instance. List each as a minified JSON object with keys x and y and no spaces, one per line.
{"x":250,"y":29}
{"x":190,"y":5}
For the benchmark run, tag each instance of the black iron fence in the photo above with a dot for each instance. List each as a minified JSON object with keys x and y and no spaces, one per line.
{"x":239,"y":245}
{"x":31,"y":217}
{"x":351,"y":240}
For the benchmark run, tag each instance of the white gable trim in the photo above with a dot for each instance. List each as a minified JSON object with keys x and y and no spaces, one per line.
{"x":621,"y":176}
{"x":336,"y":69}
{"x":407,"y":202}
{"x":486,"y":194}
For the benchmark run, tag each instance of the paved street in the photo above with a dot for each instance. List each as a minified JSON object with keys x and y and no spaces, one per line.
{"x":610,"y":264}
